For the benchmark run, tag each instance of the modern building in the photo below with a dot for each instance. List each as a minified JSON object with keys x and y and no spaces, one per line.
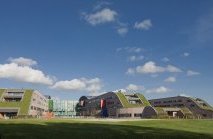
{"x":64,"y":108}
{"x":183,"y":106}
{"x":116,"y":104}
{"x":22,"y":102}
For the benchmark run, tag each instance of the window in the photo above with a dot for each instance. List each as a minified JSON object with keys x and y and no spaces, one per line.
{"x":125,"y":115}
{"x":204,"y":115}
{"x":188,"y":100}
{"x":137,"y":115}
{"x":169,"y":101}
{"x":157,"y":102}
{"x":192,"y":105}
{"x":179,"y":100}
{"x":204,"y":104}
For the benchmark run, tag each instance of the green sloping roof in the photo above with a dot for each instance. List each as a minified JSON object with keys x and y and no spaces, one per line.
{"x":160,"y":112}
{"x":143,"y":99}
{"x":186,"y":112}
{"x":126,"y":103}
{"x":23,"y":105}
{"x":163,"y":114}
{"x":208,"y":107}
{"x":1,"y":92}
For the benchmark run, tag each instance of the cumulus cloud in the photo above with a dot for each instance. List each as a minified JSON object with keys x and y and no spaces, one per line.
{"x":186,"y":54}
{"x":130,"y":49}
{"x":151,"y":67}
{"x":24,"y":73}
{"x":130,"y":71}
{"x":170,"y":79}
{"x":105,"y":15}
{"x":159,"y":90}
{"x":165,"y":59}
{"x":171,"y":68}
{"x":184,"y":95}
{"x":192,"y":73}
{"x":74,"y":84}
{"x":120,"y":90}
{"x":21,"y":61}
{"x":135,"y":58}
{"x":83,"y":84}
{"x":101,"y":4}
{"x":144,"y":25}
{"x":134,"y":49}
{"x":122,"y":31}
{"x":134,"y":87}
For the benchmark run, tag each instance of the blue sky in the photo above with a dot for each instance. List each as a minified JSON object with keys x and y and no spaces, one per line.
{"x":71,"y":48}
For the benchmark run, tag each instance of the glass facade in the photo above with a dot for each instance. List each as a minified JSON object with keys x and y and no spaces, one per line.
{"x":64,"y":108}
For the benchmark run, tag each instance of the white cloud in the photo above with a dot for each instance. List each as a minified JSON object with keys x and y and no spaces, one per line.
{"x":105,"y":15}
{"x":135,"y":58}
{"x":184,"y":95}
{"x":132,"y":58}
{"x":171,"y":68}
{"x":170,"y":79}
{"x":159,"y":90}
{"x":74,"y":84}
{"x":130,"y":49}
{"x":24,"y":74}
{"x":186,"y":54}
{"x":101,"y":4}
{"x":144,"y":25}
{"x":192,"y":73}
{"x":130,"y":71}
{"x":21,"y":61}
{"x":151,"y":67}
{"x":165,"y":59}
{"x":122,"y":31}
{"x":134,"y":87}
{"x":134,"y":49}
{"x":119,"y":49}
{"x":120,"y":90}
{"x":83,"y":84}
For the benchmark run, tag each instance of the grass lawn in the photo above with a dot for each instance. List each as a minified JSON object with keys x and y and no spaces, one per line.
{"x":106,"y":129}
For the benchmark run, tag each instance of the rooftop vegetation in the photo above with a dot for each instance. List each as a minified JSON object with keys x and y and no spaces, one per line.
{"x":23,"y":105}
{"x":126,"y":103}
{"x":205,"y":107}
{"x":143,"y":99}
{"x":1,"y":92}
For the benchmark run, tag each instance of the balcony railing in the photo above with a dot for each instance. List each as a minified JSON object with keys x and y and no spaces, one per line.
{"x":13,"y":95}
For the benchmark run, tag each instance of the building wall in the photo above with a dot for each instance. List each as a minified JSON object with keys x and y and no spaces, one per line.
{"x":130,"y":112}
{"x":38,"y":105}
{"x":92,"y":107}
{"x":117,"y":106}
{"x":180,"y":101}
{"x":21,"y":100}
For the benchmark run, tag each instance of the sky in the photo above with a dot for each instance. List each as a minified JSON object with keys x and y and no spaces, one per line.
{"x":67,"y":49}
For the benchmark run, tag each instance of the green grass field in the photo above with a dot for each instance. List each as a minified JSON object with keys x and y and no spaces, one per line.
{"x":106,"y":129}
